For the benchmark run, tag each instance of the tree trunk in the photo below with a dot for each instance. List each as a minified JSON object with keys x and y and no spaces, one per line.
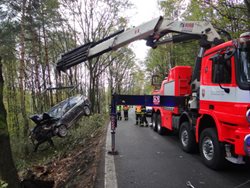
{"x":8,"y":172}
{"x":247,"y":3}
{"x":92,"y":90}
{"x":22,"y":72}
{"x":35,"y":95}
{"x":47,"y":59}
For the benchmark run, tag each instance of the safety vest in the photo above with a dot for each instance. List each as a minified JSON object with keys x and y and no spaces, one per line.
{"x":143,"y":109}
{"x":125,"y":107}
{"x":138,"y":109}
{"x":118,"y":108}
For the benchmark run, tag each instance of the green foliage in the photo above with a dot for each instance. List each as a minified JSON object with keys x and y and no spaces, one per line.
{"x":157,"y":60}
{"x":120,"y":70}
{"x":230,"y":15}
{"x":173,"y":9}
{"x":3,"y":184}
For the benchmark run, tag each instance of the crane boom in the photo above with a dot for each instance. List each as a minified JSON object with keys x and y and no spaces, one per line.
{"x":151,"y":31}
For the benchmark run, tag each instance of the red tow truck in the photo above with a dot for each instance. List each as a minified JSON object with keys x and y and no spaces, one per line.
{"x":216,"y":115}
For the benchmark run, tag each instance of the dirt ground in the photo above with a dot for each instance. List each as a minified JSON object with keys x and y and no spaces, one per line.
{"x":78,"y":168}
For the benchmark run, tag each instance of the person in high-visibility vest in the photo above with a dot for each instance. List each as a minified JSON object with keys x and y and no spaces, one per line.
{"x":143,"y":117}
{"x":138,"y":115}
{"x":125,"y":112}
{"x":118,"y":112}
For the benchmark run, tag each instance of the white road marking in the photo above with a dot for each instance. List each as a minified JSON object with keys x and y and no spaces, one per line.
{"x":241,"y":185}
{"x":110,"y":180}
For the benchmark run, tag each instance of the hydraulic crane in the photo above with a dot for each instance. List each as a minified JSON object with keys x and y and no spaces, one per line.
{"x":151,"y":31}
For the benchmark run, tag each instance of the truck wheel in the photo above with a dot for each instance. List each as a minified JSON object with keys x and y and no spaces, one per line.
{"x":187,"y":138}
{"x":161,"y":130}
{"x":212,"y":153}
{"x":154,"y":121}
{"x":62,"y":131}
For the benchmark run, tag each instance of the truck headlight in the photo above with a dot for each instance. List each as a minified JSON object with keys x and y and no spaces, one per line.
{"x":248,"y":115}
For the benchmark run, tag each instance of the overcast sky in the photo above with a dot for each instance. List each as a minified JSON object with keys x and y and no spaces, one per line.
{"x":145,"y":10}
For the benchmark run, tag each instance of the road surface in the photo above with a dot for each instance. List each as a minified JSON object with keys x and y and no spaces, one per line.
{"x":148,"y":160}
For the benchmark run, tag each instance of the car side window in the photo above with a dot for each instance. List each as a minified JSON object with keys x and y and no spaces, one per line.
{"x":73,"y":101}
{"x":70,"y":103}
{"x":222,"y":72}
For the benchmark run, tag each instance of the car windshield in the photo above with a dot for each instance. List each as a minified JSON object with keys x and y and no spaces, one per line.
{"x":243,"y":56}
{"x":57,"y":110}
{"x":60,"y":109}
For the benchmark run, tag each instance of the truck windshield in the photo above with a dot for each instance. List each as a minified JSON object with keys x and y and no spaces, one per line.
{"x":243,"y":64}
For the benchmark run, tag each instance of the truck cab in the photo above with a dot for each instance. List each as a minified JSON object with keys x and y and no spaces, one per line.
{"x":224,"y":99}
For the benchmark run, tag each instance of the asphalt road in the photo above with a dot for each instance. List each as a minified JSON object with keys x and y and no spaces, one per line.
{"x":148,"y":160}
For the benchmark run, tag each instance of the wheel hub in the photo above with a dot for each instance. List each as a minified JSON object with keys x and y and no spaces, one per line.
{"x":208,"y":148}
{"x":62,"y":130}
{"x":87,"y":110}
{"x":153,"y":124}
{"x":184,"y":138}
{"x":159,"y":126}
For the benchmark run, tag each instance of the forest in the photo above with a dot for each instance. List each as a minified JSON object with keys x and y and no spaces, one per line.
{"x":33,"y":35}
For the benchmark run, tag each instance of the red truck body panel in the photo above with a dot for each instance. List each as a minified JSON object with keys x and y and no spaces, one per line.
{"x":176,"y":84}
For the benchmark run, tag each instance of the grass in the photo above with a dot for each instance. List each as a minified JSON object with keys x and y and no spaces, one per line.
{"x":22,"y":149}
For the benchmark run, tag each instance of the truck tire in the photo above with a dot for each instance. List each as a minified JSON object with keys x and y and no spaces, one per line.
{"x":211,"y":151}
{"x":161,"y":130}
{"x":187,"y":138}
{"x":154,"y":121}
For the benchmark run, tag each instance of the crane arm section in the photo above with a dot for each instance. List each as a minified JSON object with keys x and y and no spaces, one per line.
{"x":151,"y":31}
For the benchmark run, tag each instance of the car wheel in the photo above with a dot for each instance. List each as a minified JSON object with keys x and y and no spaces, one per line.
{"x":154,"y":121}
{"x":62,"y":131}
{"x":212,"y":152}
{"x":86,"y":110}
{"x":187,"y":138}
{"x":161,"y":130}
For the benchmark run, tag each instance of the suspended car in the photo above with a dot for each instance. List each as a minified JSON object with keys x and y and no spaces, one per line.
{"x":59,"y":119}
{"x":69,"y":111}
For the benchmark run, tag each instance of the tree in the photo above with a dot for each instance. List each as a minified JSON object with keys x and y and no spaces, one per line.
{"x":119,"y":70}
{"x":22,"y":68}
{"x":230,"y":15}
{"x":157,"y":61}
{"x":247,"y":3}
{"x":96,"y":24}
{"x":8,"y":171}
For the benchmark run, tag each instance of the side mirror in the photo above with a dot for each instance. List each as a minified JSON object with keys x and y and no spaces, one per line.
{"x":216,"y":58}
{"x":229,"y":53}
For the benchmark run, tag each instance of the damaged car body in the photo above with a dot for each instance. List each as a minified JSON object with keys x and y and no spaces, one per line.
{"x":58,"y":119}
